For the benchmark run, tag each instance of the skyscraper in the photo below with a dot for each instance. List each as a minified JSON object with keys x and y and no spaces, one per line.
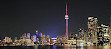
{"x":66,"y":17}
{"x":110,"y":29}
{"x":28,"y":35}
{"x":34,"y":38}
{"x":81,"y":34}
{"x":92,"y":29}
{"x":58,"y":40}
{"x":37,"y":36}
{"x":37,"y":33}
{"x":64,"y":39}
{"x":103,"y":34}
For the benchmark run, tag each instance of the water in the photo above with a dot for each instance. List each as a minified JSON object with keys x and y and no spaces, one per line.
{"x":56,"y":47}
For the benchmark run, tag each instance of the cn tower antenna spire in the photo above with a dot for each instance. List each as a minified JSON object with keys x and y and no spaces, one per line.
{"x":66,"y":8}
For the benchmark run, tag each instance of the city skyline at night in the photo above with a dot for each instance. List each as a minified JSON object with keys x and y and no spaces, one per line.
{"x":18,"y":17}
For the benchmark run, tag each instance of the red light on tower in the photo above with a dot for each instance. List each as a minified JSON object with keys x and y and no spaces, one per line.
{"x":66,"y":8}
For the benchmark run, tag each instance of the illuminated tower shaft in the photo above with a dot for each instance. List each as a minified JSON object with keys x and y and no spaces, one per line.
{"x":67,"y":28}
{"x":66,"y":17}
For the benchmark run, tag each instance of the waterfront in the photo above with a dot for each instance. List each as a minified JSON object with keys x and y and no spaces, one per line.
{"x":55,"y":47}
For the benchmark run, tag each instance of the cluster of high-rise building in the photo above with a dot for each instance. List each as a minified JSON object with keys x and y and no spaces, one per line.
{"x":27,"y":40}
{"x":95,"y":34}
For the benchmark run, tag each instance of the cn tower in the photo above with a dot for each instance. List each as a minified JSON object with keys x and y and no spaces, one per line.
{"x":66,"y":17}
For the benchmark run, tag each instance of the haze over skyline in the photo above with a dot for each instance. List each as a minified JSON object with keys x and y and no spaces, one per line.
{"x":48,"y":16}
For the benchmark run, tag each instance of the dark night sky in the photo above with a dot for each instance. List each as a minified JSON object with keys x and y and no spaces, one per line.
{"x":47,"y":16}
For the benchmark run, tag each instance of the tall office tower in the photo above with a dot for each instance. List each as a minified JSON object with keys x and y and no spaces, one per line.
{"x":81,"y":34}
{"x":85,"y":35}
{"x":43,"y":41}
{"x":28,"y":35}
{"x":110,"y":29}
{"x":66,"y":17}
{"x":64,"y":39}
{"x":100,"y":35}
{"x":34,"y":38}
{"x":103,"y":34}
{"x":37,"y":36}
{"x":58,"y":40}
{"x":40,"y":35}
{"x":24,"y":37}
{"x":37,"y":33}
{"x":47,"y":39}
{"x":105,"y":30}
{"x":92,"y":29}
